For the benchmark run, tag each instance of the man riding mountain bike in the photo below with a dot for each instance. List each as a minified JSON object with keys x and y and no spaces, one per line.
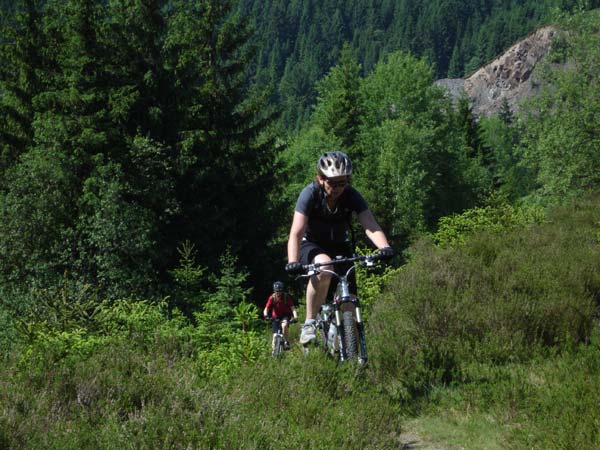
{"x":280,"y":307}
{"x":320,"y":229}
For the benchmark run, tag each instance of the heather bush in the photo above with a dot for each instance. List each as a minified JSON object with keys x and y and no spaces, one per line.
{"x":501,"y":297}
{"x":494,"y":218}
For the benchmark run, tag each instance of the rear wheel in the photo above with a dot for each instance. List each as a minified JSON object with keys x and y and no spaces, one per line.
{"x":350,"y":340}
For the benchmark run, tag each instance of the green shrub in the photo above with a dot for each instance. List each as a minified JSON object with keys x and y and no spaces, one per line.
{"x":498,"y":298}
{"x":457,"y":228}
{"x":371,"y":282}
{"x":560,"y":408}
{"x":543,"y":403}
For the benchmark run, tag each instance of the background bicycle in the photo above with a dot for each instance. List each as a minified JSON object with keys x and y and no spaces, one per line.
{"x":279,"y":342}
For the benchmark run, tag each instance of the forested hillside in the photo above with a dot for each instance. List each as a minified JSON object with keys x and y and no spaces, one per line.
{"x":146,"y":192}
{"x":299,"y":40}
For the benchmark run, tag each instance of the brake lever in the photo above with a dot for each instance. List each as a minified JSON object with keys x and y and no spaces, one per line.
{"x":367,"y":262}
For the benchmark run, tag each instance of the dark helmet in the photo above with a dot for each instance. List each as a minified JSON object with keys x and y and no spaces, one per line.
{"x":278,"y":286}
{"x":334,"y":164}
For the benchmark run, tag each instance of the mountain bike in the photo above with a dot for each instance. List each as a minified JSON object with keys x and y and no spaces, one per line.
{"x":279,"y":340}
{"x":340,"y":331}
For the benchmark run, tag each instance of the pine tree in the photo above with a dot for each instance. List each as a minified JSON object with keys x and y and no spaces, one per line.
{"x":144,"y":114}
{"x":338,"y":111}
{"x":455,"y":64}
{"x":21,"y":78}
{"x":225,"y":176}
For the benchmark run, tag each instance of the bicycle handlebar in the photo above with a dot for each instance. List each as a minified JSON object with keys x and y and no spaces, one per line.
{"x":271,"y":319}
{"x":338,"y":260}
{"x":366,"y":260}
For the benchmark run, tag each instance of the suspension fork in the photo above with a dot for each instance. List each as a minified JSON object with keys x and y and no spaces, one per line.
{"x":361,"y":331}
{"x":337,"y":307}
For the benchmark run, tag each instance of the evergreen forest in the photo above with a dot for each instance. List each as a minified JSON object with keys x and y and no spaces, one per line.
{"x":298,"y":41}
{"x":151,"y":154}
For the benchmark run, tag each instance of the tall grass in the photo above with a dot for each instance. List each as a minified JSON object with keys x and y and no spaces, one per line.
{"x":121,"y":397}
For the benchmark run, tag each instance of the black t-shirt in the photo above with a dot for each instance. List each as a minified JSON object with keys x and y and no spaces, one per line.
{"x":326,"y":225}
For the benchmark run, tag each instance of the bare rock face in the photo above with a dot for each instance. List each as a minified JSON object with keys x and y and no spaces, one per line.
{"x":508,"y":77}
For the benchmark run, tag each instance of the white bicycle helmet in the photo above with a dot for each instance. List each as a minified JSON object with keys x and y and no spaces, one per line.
{"x":334,"y":164}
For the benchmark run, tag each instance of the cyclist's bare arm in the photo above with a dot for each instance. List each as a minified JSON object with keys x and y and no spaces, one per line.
{"x":299,"y":223}
{"x":372,"y":229}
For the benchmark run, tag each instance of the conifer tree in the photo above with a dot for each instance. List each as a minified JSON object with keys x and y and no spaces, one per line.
{"x":225,"y":175}
{"x":21,"y":78}
{"x":338,"y":111}
{"x":143,"y":116}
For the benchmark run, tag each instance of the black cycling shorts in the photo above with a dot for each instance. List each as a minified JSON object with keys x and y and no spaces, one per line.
{"x":309,"y":250}
{"x":275,"y":323}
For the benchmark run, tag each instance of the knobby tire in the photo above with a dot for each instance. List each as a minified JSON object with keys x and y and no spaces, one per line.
{"x":278,"y":350}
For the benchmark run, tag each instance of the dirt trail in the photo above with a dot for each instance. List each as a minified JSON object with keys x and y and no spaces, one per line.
{"x":410,"y":440}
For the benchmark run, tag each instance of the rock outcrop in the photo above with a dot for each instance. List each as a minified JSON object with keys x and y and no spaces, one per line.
{"x":508,"y":77}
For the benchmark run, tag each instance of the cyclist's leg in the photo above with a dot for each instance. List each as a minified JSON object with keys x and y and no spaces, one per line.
{"x":285,"y":321}
{"x":317,"y":288}
{"x":284,"y":326}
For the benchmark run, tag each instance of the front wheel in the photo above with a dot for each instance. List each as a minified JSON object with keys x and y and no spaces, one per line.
{"x":278,"y":347}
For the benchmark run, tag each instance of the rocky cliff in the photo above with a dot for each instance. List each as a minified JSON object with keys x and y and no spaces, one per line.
{"x":508,"y":77}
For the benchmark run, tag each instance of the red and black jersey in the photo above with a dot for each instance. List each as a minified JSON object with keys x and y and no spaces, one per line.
{"x":280,"y":308}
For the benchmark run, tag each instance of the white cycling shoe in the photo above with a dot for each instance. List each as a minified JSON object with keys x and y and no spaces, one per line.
{"x":308,"y":333}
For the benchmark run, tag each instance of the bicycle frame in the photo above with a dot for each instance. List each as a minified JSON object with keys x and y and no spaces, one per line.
{"x":342,"y":297}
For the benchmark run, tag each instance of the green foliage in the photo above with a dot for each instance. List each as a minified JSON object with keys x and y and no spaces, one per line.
{"x":503,"y":297}
{"x":22,"y":77}
{"x":110,"y":362}
{"x":118,"y":249}
{"x":499,"y":329}
{"x":189,"y":278}
{"x":458,"y":228}
{"x":299,"y":42}
{"x":550,"y":400}
{"x":9,"y":334}
{"x":124,"y":396}
{"x":127,"y":129}
{"x":127,"y":115}
{"x":338,"y":106}
{"x":501,"y":137}
{"x":556,"y":404}
{"x":215,"y":318}
{"x":371,"y":284}
{"x":561,"y":142}
{"x":35,"y":218}
{"x":411,"y":159}
{"x":417,"y":167}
